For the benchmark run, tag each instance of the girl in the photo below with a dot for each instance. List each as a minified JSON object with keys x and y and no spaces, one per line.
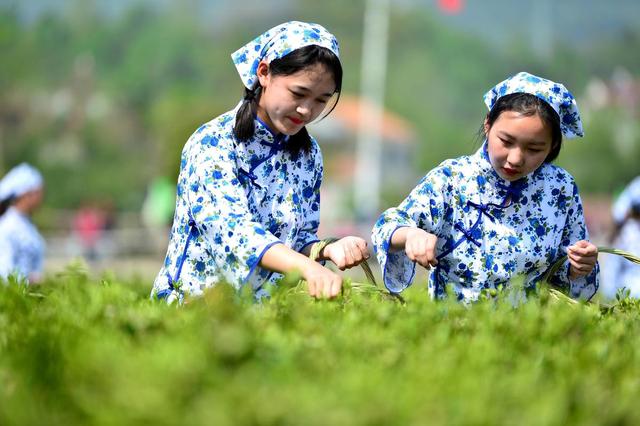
{"x":248,"y":196}
{"x":21,"y":246}
{"x":480,"y":220}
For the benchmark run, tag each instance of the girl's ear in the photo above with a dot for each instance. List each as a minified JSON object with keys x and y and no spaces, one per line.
{"x":263,"y":73}
{"x":486,"y":126}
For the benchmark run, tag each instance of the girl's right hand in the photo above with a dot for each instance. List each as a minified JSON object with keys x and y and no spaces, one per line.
{"x":420,"y":247}
{"x":322,"y":282}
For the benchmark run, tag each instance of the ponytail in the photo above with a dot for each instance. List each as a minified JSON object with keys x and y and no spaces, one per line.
{"x":244,"y":127}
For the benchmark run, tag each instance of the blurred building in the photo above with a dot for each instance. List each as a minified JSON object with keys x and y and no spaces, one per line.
{"x":337,"y":136}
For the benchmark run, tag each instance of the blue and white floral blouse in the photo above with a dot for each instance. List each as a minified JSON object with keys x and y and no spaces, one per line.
{"x":234,"y":201}
{"x":489,"y":230}
{"x":21,"y":245}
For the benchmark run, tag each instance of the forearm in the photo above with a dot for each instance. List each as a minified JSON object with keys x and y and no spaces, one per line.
{"x":280,"y":258}
{"x":398,"y":239}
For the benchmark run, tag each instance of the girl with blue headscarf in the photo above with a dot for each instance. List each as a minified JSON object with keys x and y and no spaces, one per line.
{"x":478,"y":221}
{"x":21,"y":246}
{"x":248,"y":196}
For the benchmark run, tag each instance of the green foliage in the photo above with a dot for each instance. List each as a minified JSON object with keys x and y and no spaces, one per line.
{"x":77,"y":351}
{"x":86,"y":97}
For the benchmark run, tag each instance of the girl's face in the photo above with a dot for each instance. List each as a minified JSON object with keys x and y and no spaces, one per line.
{"x":289,"y":102}
{"x":30,"y":201}
{"x":517,"y":144}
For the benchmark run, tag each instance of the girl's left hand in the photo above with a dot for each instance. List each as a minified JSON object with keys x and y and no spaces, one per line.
{"x":582,"y":258}
{"x":347,"y":252}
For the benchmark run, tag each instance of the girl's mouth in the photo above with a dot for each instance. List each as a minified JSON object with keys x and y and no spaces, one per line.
{"x":510,"y":172}
{"x":296,"y":121}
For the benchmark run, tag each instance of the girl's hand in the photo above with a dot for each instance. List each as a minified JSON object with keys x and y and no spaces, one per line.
{"x":322,"y":282}
{"x":420,"y":247}
{"x":582,"y":258}
{"x":347,"y":252}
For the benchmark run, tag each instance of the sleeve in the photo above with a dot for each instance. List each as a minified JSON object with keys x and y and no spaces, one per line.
{"x":575,"y":230}
{"x":218,"y":204}
{"x":423,"y":208}
{"x":610,"y":273}
{"x":308,"y":233}
{"x":6,"y":258}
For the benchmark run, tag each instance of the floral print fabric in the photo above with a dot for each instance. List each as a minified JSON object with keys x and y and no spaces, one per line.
{"x":234,"y":201}
{"x":489,"y":230}
{"x":555,"y":94}
{"x":278,"y":42}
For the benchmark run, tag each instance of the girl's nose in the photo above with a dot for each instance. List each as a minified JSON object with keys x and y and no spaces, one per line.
{"x":515,"y":157}
{"x":304,"y":110}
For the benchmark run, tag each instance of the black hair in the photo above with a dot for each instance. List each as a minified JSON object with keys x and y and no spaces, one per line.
{"x":528,"y":105}
{"x":5,"y":204}
{"x":632,"y":214}
{"x":289,"y":64}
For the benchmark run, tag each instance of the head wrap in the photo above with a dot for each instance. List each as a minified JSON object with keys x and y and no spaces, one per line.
{"x":626,"y":201}
{"x":21,"y":179}
{"x":555,"y":94}
{"x":276,"y":43}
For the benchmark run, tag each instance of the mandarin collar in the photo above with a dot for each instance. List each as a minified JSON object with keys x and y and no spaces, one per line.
{"x":493,"y":179}
{"x":276,"y":137}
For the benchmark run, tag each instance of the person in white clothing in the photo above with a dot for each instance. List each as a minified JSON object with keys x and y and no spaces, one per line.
{"x":21,"y":245}
{"x":619,"y":272}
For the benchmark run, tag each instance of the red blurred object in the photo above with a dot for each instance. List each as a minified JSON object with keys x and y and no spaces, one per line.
{"x":451,"y":7}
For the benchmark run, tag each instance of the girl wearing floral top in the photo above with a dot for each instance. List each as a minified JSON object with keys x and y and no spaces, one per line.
{"x":478,"y":221}
{"x":248,"y":196}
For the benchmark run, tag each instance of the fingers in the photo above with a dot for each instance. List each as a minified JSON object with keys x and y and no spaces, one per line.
{"x":581,"y":269}
{"x":322,"y":282}
{"x":356,"y":255}
{"x":325,"y":287}
{"x":349,"y":252}
{"x":348,"y":257}
{"x":582,"y":244}
{"x":582,"y":248}
{"x":421,"y":248}
{"x":583,"y":256}
{"x":578,"y":270}
{"x":582,"y":252}
{"x":311,"y":284}
{"x":336,"y":286}
{"x":363,"y":248}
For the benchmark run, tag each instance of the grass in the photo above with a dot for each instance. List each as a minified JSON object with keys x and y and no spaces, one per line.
{"x":78,"y":350}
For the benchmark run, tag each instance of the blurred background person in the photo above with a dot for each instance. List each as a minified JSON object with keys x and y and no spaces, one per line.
{"x":90,"y":87}
{"x":619,"y":272}
{"x":89,"y":226}
{"x":21,"y":245}
{"x":157,"y":211}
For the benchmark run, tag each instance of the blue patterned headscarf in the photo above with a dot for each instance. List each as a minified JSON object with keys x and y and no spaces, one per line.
{"x":555,"y":94}
{"x":20,"y":180}
{"x":276,"y":43}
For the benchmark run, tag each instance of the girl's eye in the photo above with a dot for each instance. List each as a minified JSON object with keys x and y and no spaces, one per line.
{"x":297,"y":95}
{"x":506,"y":142}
